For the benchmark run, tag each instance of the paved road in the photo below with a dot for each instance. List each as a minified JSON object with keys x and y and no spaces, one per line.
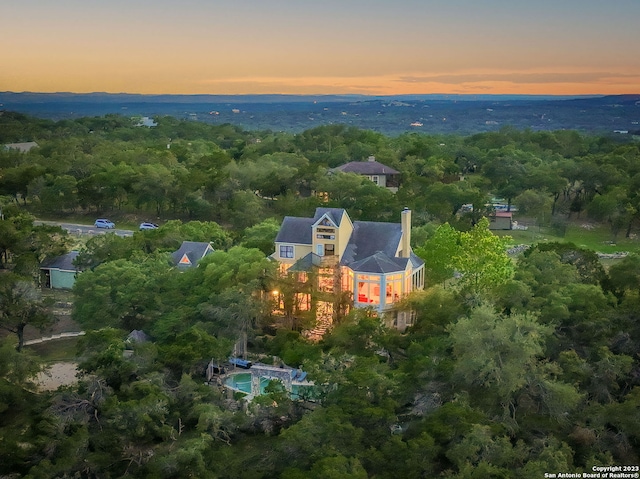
{"x":85,"y":230}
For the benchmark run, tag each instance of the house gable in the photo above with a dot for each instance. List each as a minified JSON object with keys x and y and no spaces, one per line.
{"x":330,"y":232}
{"x":190,"y":252}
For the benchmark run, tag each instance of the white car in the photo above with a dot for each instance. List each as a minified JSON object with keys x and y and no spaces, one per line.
{"x":148,"y":226}
{"x":104,"y":223}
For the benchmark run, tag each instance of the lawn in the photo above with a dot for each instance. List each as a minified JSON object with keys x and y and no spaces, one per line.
{"x":587,"y":235}
{"x":56,"y":350}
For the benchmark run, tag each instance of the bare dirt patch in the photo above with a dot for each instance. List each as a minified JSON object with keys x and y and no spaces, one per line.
{"x":56,"y":375}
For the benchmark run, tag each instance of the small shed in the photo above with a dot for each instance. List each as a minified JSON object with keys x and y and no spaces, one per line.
{"x":501,"y":220}
{"x":59,"y":272}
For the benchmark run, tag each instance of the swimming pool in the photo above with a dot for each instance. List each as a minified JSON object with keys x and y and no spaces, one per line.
{"x":242,"y":382}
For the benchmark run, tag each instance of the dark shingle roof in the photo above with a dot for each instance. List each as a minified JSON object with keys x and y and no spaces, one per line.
{"x":379,"y":263}
{"x":138,"y":336}
{"x":306,"y":263}
{"x":335,"y":214}
{"x":369,"y":237}
{"x":416,"y":260}
{"x":64,"y":262}
{"x":295,"y":230}
{"x":366,"y":168}
{"x":195,"y":251}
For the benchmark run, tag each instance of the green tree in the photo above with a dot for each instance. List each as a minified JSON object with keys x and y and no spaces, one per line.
{"x":496,"y":355}
{"x":482,"y":258}
{"x":261,"y":236}
{"x":438,"y":252}
{"x":123,"y":294}
{"x":625,"y":275}
{"x":21,"y":305}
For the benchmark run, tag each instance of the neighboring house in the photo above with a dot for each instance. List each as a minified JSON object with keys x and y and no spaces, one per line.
{"x":351,"y":264}
{"x":501,"y":220}
{"x":60,"y":272}
{"x":137,"y":336}
{"x":22,"y":147}
{"x":190,"y":253}
{"x":146,"y":121}
{"x":382,"y":175}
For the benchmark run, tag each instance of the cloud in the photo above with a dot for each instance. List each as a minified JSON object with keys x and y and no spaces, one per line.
{"x":517,"y":77}
{"x":328,"y":85}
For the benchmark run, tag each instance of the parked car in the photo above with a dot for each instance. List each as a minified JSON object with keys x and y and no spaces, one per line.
{"x":104,"y":223}
{"x":241,"y":363}
{"x":148,"y":226}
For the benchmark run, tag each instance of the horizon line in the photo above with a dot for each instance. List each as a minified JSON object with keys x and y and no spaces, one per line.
{"x":584,"y":95}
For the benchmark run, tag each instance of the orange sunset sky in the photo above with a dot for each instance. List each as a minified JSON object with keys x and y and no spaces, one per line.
{"x":564,"y":47}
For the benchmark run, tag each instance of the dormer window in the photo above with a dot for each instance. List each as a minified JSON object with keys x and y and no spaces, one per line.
{"x":326,"y":233}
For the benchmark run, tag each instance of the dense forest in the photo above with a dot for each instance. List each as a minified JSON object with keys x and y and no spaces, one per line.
{"x":517,"y":365}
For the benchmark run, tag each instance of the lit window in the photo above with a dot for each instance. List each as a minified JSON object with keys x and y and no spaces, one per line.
{"x":286,"y":251}
{"x":394,"y":288}
{"x":368,"y":289}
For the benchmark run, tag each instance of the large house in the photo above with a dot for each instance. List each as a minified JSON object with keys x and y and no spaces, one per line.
{"x":382,"y":175}
{"x":352,"y":264}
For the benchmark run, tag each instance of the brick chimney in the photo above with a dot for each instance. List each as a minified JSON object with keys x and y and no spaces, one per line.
{"x":405,"y":243}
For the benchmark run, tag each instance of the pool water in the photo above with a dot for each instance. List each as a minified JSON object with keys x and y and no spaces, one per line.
{"x":242,"y":382}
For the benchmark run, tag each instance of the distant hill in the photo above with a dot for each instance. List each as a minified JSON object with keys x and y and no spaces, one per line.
{"x":392,"y":115}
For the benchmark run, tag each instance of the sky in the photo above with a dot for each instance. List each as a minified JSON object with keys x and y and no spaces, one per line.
{"x":375,"y":47}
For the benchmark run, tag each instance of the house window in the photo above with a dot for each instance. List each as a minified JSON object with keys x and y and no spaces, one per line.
{"x":347,"y":280}
{"x":418,"y":279}
{"x":283,"y":268}
{"x":368,"y":289}
{"x":326,"y":233}
{"x":326,"y":280}
{"x":393,"y":289}
{"x":329,"y":250}
{"x":375,"y":179}
{"x":286,"y":251}
{"x":303,"y":302}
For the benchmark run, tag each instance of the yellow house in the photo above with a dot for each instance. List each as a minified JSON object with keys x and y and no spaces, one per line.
{"x":371,"y":262}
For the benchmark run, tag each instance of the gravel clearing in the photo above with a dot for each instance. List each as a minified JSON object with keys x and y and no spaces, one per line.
{"x":56,"y":375}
